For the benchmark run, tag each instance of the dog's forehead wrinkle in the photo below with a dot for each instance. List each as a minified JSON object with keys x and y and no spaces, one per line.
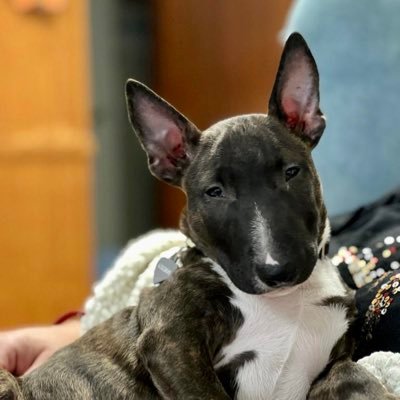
{"x":260,"y":136}
{"x":233,"y":127}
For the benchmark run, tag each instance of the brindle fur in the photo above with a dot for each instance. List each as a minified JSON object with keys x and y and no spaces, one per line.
{"x":145,"y":352}
{"x":167,"y":346}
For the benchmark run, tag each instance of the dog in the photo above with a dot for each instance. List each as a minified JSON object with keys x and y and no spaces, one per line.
{"x":256,"y":310}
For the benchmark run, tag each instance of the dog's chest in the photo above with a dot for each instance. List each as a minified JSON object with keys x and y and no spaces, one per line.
{"x":287,"y":341}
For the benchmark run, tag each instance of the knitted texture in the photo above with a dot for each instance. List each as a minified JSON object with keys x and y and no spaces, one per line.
{"x":130,"y":273}
{"x":385,"y":365}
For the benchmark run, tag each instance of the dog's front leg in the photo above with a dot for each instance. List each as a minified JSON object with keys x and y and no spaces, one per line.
{"x":347,"y":380}
{"x":179,"y":365}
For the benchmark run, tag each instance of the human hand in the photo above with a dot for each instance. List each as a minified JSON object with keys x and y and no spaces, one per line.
{"x":22,"y":350}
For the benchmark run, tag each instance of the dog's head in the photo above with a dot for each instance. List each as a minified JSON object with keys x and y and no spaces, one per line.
{"x":254,"y":200}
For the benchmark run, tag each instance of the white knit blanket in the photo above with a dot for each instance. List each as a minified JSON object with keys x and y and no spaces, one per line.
{"x":134,"y":269}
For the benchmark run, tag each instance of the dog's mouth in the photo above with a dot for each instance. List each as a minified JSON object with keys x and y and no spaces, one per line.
{"x":276,"y":278}
{"x":259,"y":280}
{"x":282,"y":289}
{"x":280,"y":292}
{"x":257,"y":287}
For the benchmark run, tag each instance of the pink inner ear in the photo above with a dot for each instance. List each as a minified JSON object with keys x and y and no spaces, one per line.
{"x":290,"y":109}
{"x":298,"y":106}
{"x":174,"y":146}
{"x":299,"y":98}
{"x":164,"y":136}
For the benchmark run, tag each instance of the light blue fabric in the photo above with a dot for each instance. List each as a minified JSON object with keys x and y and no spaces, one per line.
{"x":357,"y":48}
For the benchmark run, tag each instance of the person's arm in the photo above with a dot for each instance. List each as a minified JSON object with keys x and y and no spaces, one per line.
{"x":22,"y":350}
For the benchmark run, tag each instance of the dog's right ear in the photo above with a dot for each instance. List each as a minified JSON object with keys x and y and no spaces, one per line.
{"x":168,"y":138}
{"x":295,"y":95}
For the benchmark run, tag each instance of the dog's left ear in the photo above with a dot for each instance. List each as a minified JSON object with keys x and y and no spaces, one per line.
{"x":168,"y":138}
{"x":295,"y":95}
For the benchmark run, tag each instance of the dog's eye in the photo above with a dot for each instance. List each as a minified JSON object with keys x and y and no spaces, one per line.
{"x":215,"y":191}
{"x":291,"y":172}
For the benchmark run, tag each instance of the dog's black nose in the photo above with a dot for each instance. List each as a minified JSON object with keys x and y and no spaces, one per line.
{"x":275,"y":275}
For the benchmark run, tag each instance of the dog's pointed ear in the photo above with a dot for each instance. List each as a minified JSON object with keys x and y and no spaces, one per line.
{"x":168,"y":138}
{"x":295,"y":95}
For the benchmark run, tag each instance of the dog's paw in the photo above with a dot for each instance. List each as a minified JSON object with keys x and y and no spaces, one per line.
{"x":347,"y":380}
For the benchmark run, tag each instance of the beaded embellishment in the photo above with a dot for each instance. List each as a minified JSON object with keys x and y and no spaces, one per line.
{"x":380,"y":304}
{"x":365,"y":264}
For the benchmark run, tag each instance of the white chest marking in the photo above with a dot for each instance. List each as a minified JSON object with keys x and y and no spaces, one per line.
{"x":291,"y":334}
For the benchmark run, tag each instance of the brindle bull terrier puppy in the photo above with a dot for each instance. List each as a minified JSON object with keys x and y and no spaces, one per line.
{"x":256,"y":311}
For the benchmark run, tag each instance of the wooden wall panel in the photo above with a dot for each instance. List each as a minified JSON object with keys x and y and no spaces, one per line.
{"x":46,"y":156}
{"x":215,"y":59}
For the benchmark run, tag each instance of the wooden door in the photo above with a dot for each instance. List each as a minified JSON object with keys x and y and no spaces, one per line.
{"x":45,"y":160}
{"x":214,"y":59}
